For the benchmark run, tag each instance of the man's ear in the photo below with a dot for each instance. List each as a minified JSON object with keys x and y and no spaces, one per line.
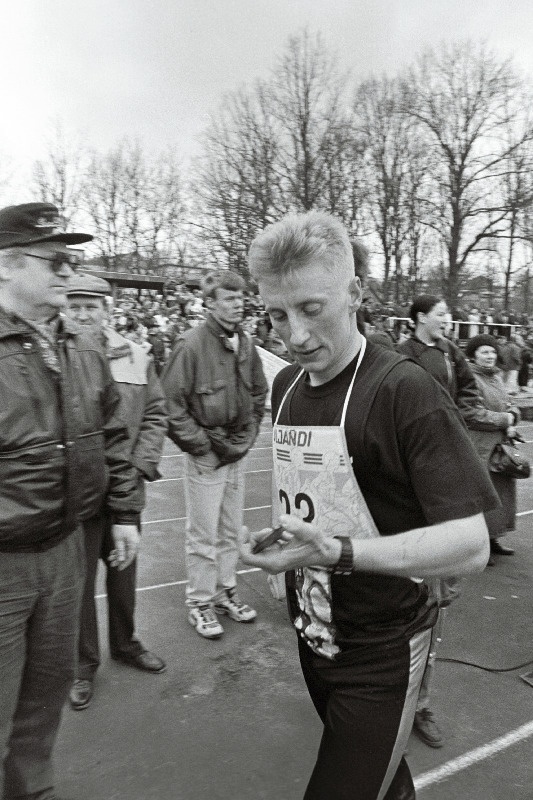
{"x":356,"y":294}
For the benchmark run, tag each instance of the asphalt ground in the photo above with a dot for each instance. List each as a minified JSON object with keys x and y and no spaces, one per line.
{"x":231,"y":719}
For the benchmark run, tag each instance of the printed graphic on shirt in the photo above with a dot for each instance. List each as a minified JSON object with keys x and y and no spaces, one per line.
{"x":314,"y":480}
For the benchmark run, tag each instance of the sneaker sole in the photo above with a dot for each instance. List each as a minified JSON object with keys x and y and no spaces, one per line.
{"x":224,"y":611}
{"x":205,"y":635}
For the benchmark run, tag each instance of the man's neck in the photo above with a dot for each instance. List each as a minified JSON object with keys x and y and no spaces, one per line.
{"x":336,"y":369}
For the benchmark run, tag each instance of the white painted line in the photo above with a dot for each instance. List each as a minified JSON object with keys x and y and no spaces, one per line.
{"x":180,"y":455}
{"x":259,"y":508}
{"x":248,"y":472}
{"x":182,"y":519}
{"x":175,"y":583}
{"x":475,"y":756}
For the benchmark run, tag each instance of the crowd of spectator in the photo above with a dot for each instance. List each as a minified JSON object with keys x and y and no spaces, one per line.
{"x":155,"y":321}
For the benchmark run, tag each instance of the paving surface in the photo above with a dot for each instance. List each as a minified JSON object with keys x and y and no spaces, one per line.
{"x":231,"y":719}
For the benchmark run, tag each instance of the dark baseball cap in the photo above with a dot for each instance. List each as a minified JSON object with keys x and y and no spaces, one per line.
{"x":90,"y":285}
{"x":32,"y":223}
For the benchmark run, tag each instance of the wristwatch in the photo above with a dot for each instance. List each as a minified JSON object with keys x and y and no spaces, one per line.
{"x":344,"y":565}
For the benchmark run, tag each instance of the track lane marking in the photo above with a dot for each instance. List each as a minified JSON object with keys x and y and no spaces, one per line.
{"x":474,"y":756}
{"x":181,"y":455}
{"x":180,"y":478}
{"x":174,"y":583}
{"x":262,"y":508}
{"x":182,"y":519}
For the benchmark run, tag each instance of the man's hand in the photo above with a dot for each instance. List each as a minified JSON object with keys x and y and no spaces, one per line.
{"x":303,"y":544}
{"x":126,"y":539}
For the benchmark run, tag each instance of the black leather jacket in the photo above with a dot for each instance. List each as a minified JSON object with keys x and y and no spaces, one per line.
{"x":63,"y":446}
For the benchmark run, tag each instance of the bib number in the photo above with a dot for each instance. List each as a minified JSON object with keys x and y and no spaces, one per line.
{"x":300,"y":499}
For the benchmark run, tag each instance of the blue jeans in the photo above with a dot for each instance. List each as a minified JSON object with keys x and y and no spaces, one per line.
{"x":39,"y":611}
{"x":215,"y":510}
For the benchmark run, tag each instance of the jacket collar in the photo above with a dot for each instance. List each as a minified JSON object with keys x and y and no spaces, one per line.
{"x":116,"y":345}
{"x":13,"y":325}
{"x":217,"y":330}
{"x":441,"y":345}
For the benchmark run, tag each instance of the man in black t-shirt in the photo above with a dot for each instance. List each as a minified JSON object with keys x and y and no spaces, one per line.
{"x":363,"y":617}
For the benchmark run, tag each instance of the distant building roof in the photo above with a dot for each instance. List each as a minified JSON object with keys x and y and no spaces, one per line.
{"x":130,"y":279}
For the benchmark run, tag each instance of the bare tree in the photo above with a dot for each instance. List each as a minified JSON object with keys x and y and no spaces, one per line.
{"x":135,"y":205}
{"x":59,"y":177}
{"x":517,"y":191}
{"x":164,"y":211}
{"x":384,"y":132}
{"x":394,"y":169}
{"x":459,"y":98}
{"x":309,"y":100}
{"x":236,"y":179}
{"x":285,"y":144}
{"x":105,"y":190}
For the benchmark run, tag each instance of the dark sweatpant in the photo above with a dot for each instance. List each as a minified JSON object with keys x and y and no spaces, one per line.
{"x":367,"y":708}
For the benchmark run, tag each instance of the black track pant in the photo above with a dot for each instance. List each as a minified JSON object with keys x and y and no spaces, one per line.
{"x":367,"y":708}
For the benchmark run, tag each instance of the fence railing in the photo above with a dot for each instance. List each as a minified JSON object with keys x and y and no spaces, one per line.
{"x":462,"y":330}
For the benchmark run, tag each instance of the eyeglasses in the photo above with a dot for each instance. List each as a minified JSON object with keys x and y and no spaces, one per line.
{"x":59,"y":260}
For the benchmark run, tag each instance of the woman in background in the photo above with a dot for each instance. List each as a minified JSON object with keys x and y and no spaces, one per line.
{"x":482,"y":352}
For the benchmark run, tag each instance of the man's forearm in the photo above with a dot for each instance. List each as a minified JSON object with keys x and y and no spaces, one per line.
{"x":457,"y":547}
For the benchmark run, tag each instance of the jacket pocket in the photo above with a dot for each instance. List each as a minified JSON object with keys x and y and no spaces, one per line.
{"x":212,"y":402}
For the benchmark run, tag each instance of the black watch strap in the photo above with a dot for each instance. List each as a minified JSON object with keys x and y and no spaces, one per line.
{"x":344,"y":565}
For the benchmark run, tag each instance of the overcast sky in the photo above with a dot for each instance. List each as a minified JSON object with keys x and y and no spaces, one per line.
{"x":154,"y":69}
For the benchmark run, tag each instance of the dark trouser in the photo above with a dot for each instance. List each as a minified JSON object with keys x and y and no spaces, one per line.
{"x":367,"y":709}
{"x":120,"y":586}
{"x":39,"y":611}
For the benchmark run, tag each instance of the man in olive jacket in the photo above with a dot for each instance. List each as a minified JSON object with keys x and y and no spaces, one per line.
{"x":63,"y":450}
{"x":143,"y":407}
{"x":216,"y":393}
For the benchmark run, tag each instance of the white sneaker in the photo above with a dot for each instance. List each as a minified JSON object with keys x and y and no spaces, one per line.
{"x":231,"y":605}
{"x":203,"y":619}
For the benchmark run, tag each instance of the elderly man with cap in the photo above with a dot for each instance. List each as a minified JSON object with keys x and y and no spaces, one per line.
{"x":63,"y":448}
{"x":143,"y":406}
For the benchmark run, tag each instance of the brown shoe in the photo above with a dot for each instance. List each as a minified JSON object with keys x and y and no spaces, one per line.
{"x":81,"y":694}
{"x":427,"y":729}
{"x":145,"y":661}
